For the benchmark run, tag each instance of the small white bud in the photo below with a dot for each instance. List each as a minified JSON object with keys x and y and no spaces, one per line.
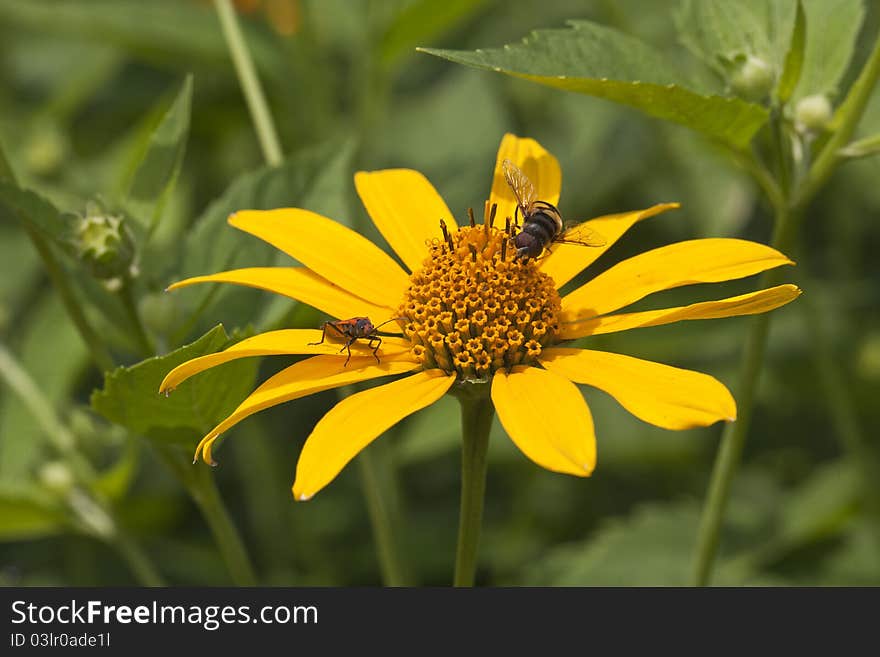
{"x":753,"y":80}
{"x":56,"y":477}
{"x":813,"y":113}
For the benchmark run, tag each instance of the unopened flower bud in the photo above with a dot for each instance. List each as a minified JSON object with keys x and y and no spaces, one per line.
{"x":813,"y":113}
{"x":104,"y":245}
{"x":753,"y":80}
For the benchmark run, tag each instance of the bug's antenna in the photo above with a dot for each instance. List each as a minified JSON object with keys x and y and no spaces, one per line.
{"x":388,"y":321}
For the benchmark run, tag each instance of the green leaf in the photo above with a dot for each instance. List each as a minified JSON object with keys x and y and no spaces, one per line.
{"x":720,"y":32}
{"x":598,"y":61}
{"x":794,"y":60}
{"x":315,"y":179}
{"x":167,"y":31}
{"x":422,"y":22}
{"x":861,"y":148}
{"x":651,"y":547}
{"x":159,"y":166}
{"x":35,"y":212}
{"x":52,"y":352}
{"x":318,"y":179}
{"x":821,"y":504}
{"x":832,"y":29}
{"x":28,"y":515}
{"x":114,"y":482}
{"x":130,"y":395}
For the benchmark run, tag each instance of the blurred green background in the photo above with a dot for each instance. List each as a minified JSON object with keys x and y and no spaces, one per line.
{"x":83,"y":85}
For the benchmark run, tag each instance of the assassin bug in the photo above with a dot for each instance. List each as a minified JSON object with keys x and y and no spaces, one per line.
{"x":352,"y":330}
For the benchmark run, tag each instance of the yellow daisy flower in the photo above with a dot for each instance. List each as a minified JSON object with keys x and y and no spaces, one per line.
{"x":472,"y":314}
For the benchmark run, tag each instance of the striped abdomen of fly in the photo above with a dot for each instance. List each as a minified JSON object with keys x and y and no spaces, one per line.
{"x":541,"y":225}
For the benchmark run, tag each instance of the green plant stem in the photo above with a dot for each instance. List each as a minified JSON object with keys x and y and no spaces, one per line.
{"x":100,"y":355}
{"x":845,"y":122}
{"x":21,"y":383}
{"x":250,"y":83}
{"x":382,"y":507}
{"x":476,"y":422}
{"x":138,"y":562}
{"x":204,"y":491}
{"x":145,"y":344}
{"x":789,"y":213}
{"x":199,"y":483}
{"x":99,"y":352}
{"x":30,"y":394}
{"x":64,"y":442}
{"x":734,"y":434}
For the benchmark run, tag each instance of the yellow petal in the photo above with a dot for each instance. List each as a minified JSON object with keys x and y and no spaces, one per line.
{"x":546,"y":416}
{"x":286,"y":341}
{"x":683,"y":263}
{"x":331,"y":250}
{"x":662,"y":395}
{"x":359,"y":419}
{"x":299,"y":380}
{"x":538,"y":165}
{"x":297,"y":283}
{"x":406,"y":209}
{"x":744,"y":304}
{"x":568,"y":260}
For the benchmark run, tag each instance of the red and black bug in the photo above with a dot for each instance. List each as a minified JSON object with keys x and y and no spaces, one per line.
{"x":352,"y":330}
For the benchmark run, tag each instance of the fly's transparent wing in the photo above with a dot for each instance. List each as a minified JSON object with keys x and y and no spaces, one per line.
{"x":582,"y":234}
{"x":520,"y":185}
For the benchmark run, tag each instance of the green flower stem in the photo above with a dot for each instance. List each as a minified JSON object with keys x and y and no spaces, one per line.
{"x":788,"y":217}
{"x":383,"y":506}
{"x":476,"y":422}
{"x":250,"y":83}
{"x":204,"y":491}
{"x":33,"y":399}
{"x":137,"y":561}
{"x":198,"y":480}
{"x":100,"y":354}
{"x":734,"y":434}
{"x":844,"y":124}
{"x":145,"y":344}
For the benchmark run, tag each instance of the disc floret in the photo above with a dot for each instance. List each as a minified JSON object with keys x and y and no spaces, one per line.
{"x":474,"y":307}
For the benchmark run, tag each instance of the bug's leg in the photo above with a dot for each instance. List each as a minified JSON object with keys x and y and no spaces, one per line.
{"x":348,"y":349}
{"x":323,"y":333}
{"x":376,"y":348}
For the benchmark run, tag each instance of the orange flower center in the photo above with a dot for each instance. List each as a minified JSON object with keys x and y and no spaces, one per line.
{"x":473,"y":308}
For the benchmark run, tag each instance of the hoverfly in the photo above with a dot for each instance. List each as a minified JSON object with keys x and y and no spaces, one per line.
{"x":352,"y":330}
{"x":542,"y":222}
